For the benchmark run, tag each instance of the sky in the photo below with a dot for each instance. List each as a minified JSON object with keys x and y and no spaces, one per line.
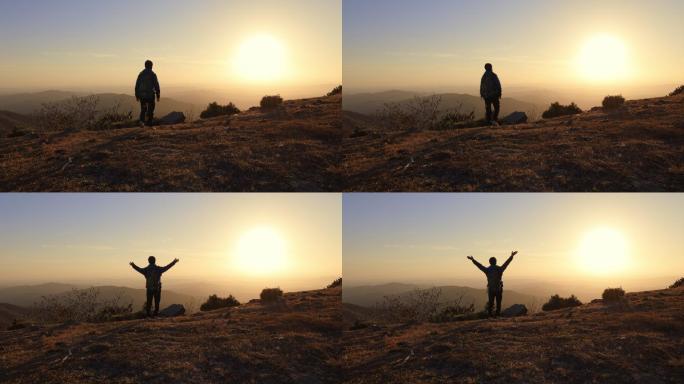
{"x":76,"y":44}
{"x":605,"y":238}
{"x":407,"y":44}
{"x":228,"y":238}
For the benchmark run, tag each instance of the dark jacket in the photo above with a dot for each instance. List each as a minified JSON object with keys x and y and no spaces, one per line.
{"x":147,"y":85}
{"x":494,"y":274}
{"x":153,"y":274}
{"x":490,"y":86}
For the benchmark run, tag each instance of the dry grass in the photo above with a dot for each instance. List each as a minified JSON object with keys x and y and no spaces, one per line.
{"x":295,"y":343}
{"x":591,"y":343}
{"x":639,"y":148}
{"x":295,"y":149}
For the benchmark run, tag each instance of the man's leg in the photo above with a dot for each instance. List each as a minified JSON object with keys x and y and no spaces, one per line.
{"x":499,"y":296}
{"x":490,"y":302}
{"x":150,"y":110}
{"x":143,"y":110}
{"x":157,"y":299}
{"x":148,"y":303}
{"x":488,"y":109}
{"x":496,"y":108}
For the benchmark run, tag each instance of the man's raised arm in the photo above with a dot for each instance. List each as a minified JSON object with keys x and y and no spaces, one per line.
{"x":510,"y":258}
{"x":171,"y":264}
{"x":137,"y":268}
{"x":482,"y":268}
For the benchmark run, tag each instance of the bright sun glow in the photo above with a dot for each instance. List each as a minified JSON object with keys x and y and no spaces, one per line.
{"x":603,"y":251}
{"x":260,"y":59}
{"x":603,"y":59}
{"x":260,"y":252}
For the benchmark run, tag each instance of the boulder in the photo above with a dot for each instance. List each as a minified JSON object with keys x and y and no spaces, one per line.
{"x":515,"y":118}
{"x":172,"y":310}
{"x":172,"y":118}
{"x":515,"y":310}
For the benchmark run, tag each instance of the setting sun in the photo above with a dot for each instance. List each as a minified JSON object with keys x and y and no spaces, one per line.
{"x":603,"y":59}
{"x":260,"y":252}
{"x":603,"y":251}
{"x":261,"y":59}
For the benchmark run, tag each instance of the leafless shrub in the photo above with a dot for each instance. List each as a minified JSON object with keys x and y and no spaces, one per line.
{"x":79,"y":113}
{"x":421,"y":113}
{"x":421,"y":305}
{"x":80,"y":305}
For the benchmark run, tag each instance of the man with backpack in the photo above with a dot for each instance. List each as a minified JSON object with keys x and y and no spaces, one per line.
{"x":146,"y":89}
{"x":152,"y":275}
{"x":494,"y":283}
{"x":490,"y":91}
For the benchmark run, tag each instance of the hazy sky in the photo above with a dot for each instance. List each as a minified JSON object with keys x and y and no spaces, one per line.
{"x":392,"y":44}
{"x":217,"y":237}
{"x":81,"y":43}
{"x":560,"y":237}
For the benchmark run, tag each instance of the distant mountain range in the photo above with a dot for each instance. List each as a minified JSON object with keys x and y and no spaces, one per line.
{"x":27,"y":296}
{"x":370,"y":103}
{"x":28,"y":103}
{"x":369,"y":296}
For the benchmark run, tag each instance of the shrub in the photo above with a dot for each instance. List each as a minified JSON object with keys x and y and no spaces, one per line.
{"x":422,"y":305}
{"x":556,"y":109}
{"x":271,"y":102}
{"x":452,"y":312}
{"x":557,"y":302}
{"x":271,"y":295}
{"x":611,"y":103}
{"x":79,"y":113}
{"x":453,"y":119}
{"x":215,"y":302}
{"x":336,"y":91}
{"x":613,"y":295}
{"x":336,"y":283}
{"x":678,"y":283}
{"x":214,"y":110}
{"x":677,"y":91}
{"x":80,"y":305}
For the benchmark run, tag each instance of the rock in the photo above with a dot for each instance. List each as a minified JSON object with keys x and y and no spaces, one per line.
{"x":515,"y":118}
{"x":172,"y":310}
{"x":172,"y":118}
{"x":515,"y":310}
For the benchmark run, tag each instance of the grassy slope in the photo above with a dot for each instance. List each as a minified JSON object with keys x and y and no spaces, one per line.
{"x":640,"y":149}
{"x":591,"y":343}
{"x":296,"y":343}
{"x":255,"y":151}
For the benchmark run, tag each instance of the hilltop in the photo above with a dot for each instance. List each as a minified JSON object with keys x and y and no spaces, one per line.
{"x":639,"y":148}
{"x":639,"y":342}
{"x":294,"y":148}
{"x":295,"y":342}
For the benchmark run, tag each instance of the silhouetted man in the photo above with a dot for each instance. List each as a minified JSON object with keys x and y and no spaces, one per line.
{"x":490,"y":91}
{"x":494,"y":282}
{"x":146,"y":89}
{"x":152,"y":275}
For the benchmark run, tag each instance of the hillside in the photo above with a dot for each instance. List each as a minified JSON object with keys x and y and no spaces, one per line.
{"x":295,"y":149}
{"x":594,"y":343}
{"x":370,"y":103}
{"x":293,"y":343}
{"x":370,"y":295}
{"x":640,"y":148}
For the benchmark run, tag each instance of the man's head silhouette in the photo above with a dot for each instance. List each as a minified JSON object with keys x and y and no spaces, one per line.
{"x":149,"y":64}
{"x":488,"y":67}
{"x":152,"y":259}
{"x":492,"y":261}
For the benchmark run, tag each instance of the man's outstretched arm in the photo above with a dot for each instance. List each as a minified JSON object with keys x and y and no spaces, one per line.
{"x":508,"y":261}
{"x":171,"y":264}
{"x":137,"y":268}
{"x":482,"y":268}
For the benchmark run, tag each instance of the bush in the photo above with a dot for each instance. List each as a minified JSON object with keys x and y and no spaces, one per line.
{"x":215,"y":302}
{"x":336,"y":283}
{"x":422,"y":305}
{"x":611,"y":103}
{"x":214,"y":110}
{"x":80,"y":305}
{"x":453,"y":119}
{"x":613,"y":295}
{"x":271,"y":295}
{"x":678,"y":283}
{"x":677,"y":91}
{"x":271,"y":102}
{"x":79,"y":113}
{"x":556,"y":109}
{"x":336,"y":91}
{"x":557,"y":302}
